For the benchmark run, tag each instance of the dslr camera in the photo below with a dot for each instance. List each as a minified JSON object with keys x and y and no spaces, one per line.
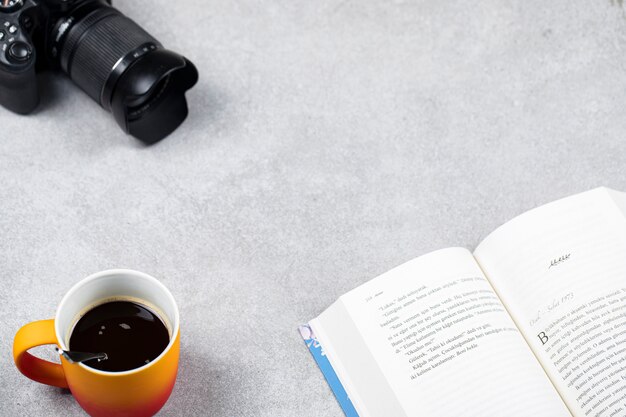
{"x":114,"y":60}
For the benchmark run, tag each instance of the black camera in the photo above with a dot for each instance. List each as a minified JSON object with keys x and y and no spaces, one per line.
{"x":114,"y":60}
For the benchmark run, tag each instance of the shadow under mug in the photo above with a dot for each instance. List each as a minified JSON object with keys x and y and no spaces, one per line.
{"x":137,"y":392}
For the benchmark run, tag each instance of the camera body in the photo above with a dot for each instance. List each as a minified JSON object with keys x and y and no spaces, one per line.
{"x":116,"y":62}
{"x":18,"y":56}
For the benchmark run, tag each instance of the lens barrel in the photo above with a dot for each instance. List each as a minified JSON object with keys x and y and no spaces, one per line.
{"x":125,"y":69}
{"x":95,"y":43}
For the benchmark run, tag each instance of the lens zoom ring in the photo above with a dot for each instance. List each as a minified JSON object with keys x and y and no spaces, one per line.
{"x":96,"y":43}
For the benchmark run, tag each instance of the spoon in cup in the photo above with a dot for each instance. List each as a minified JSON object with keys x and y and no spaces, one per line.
{"x":77,"y":357}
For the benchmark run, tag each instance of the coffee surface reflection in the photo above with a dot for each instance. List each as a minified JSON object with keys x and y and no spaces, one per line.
{"x":129,"y":333}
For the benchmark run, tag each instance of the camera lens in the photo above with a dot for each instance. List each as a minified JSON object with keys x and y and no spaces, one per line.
{"x":124,"y":68}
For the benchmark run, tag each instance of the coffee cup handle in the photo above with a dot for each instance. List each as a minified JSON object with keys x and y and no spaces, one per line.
{"x":34,"y":334}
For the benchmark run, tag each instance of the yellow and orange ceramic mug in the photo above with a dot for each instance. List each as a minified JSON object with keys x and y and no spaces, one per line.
{"x":137,"y":392}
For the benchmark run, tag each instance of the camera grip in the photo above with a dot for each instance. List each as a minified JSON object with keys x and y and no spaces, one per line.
{"x":34,"y":334}
{"x":18,"y":88}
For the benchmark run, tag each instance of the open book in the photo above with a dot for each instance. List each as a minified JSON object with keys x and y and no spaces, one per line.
{"x":532,"y":323}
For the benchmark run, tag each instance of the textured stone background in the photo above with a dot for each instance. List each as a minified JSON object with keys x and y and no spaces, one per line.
{"x":328,"y":141}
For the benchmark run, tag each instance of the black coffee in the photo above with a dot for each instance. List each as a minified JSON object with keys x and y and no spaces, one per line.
{"x":129,"y":333}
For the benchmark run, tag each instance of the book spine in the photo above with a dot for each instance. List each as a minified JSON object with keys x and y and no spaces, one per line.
{"x":335,"y":384}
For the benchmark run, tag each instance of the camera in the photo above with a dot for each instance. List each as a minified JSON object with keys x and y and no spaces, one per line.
{"x":109,"y":56}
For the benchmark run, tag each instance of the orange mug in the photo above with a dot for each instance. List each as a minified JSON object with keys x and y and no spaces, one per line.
{"x":137,"y":392}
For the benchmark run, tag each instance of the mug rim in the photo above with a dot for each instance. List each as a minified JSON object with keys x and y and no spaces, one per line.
{"x":103,"y":274}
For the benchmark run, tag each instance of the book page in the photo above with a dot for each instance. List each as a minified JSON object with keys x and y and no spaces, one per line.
{"x":431,"y":338}
{"x":561,"y":271}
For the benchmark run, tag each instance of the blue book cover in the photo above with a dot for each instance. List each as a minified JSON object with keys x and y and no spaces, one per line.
{"x":335,"y":384}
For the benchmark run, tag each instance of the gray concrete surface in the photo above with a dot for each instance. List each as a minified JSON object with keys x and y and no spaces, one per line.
{"x":328,"y":141}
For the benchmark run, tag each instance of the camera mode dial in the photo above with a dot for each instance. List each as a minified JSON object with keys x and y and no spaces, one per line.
{"x":8,"y":6}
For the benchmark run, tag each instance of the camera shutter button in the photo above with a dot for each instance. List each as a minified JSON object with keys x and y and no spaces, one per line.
{"x":19,"y":51}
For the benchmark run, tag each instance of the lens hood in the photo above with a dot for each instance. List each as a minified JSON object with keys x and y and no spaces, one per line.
{"x":148,"y":99}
